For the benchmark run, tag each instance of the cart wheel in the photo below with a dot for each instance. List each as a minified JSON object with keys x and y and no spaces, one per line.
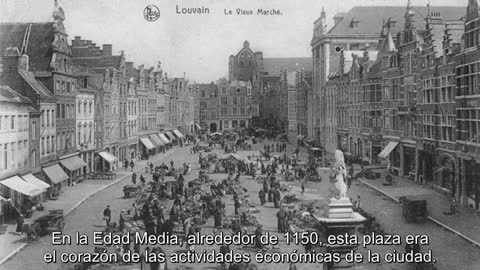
{"x":60,"y":225}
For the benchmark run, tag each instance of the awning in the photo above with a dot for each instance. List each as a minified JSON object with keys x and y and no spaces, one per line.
{"x":177,"y":133}
{"x":18,"y":184}
{"x":169,"y":135}
{"x":73,"y":163}
{"x":156,"y":140}
{"x":36,"y":182}
{"x":148,"y":144}
{"x":163,"y":138}
{"x":55,"y":174}
{"x":388,"y":149}
{"x":107,"y":156}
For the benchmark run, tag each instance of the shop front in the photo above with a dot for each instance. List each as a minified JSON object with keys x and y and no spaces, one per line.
{"x":343,"y":142}
{"x":22,"y":194}
{"x":57,"y":178}
{"x":471,"y":181}
{"x":73,"y":166}
{"x":170,"y":137}
{"x":157,"y":143}
{"x":107,"y":161}
{"x":391,"y":153}
{"x":31,"y":179}
{"x":132,"y":151}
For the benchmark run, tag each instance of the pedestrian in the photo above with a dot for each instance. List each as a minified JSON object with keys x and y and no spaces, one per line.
{"x":134,"y":178}
{"x":258,"y":237}
{"x":357,"y":203}
{"x":121,"y":220}
{"x":292,"y":266}
{"x":132,"y":165}
{"x":20,"y":221}
{"x":270,"y":195}
{"x":217,"y":217}
{"x":281,"y":215}
{"x":276,"y":198}
{"x":261,"y":196}
{"x":303,"y":186}
{"x":237,"y":206}
{"x":107,"y":215}
{"x":146,"y":167}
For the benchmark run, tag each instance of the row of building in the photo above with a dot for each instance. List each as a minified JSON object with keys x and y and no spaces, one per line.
{"x":259,"y":92}
{"x":67,"y":111}
{"x":402,"y":90}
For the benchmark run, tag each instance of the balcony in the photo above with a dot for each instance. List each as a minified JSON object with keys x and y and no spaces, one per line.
{"x":405,"y":110}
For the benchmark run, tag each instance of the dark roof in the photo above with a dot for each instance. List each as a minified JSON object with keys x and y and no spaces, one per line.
{"x":39,"y":47}
{"x":371,"y":18}
{"x":37,"y":86}
{"x":83,"y":70}
{"x":7,"y":94}
{"x":99,"y":64}
{"x":277,"y":65}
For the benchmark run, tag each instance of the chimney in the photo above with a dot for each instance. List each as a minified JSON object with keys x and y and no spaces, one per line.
{"x":10,"y":64}
{"x":338,"y":18}
{"x":107,"y":50}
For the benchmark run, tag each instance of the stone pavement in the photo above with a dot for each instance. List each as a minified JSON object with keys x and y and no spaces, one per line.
{"x":71,"y":198}
{"x":465,"y":222}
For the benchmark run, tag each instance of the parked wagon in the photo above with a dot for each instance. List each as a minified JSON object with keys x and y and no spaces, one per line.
{"x":414,"y":209}
{"x":130,"y":191}
{"x":52,"y":222}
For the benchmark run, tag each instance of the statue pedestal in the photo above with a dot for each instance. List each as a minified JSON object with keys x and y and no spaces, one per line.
{"x":341,"y":220}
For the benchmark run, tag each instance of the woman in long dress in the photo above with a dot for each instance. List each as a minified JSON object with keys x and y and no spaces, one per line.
{"x":218,"y":217}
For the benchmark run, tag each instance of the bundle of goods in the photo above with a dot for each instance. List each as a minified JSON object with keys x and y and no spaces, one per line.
{"x":178,"y":229}
{"x":248,"y":219}
{"x":288,"y":199}
{"x":133,"y":226}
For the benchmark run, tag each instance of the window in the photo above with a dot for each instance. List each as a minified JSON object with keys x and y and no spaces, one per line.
{"x":33,"y":130}
{"x":234,"y":100}
{"x":63,"y":87}
{"x":57,"y":86}
{"x":68,"y":86}
{"x":5,"y":156}
{"x":238,"y":89}
{"x":12,"y":123}
{"x":12,"y":153}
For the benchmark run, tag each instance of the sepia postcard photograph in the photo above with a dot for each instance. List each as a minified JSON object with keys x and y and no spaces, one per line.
{"x":239,"y":135}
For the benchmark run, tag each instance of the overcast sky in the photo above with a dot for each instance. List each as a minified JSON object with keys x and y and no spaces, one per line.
{"x":196,"y":44}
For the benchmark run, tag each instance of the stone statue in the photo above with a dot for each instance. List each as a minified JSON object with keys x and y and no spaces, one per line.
{"x":340,"y":173}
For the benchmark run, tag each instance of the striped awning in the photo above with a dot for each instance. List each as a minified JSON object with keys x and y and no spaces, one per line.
{"x":156,"y":140}
{"x":169,"y":135}
{"x":29,"y":178}
{"x":164,"y":139}
{"x":73,"y":163}
{"x":19,"y":185}
{"x":55,"y":174}
{"x":388,"y":149}
{"x":148,"y":144}
{"x":178,"y":134}
{"x":107,"y":156}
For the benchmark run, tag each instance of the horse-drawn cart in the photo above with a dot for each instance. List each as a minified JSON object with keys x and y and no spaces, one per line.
{"x":52,"y":222}
{"x":414,"y":209}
